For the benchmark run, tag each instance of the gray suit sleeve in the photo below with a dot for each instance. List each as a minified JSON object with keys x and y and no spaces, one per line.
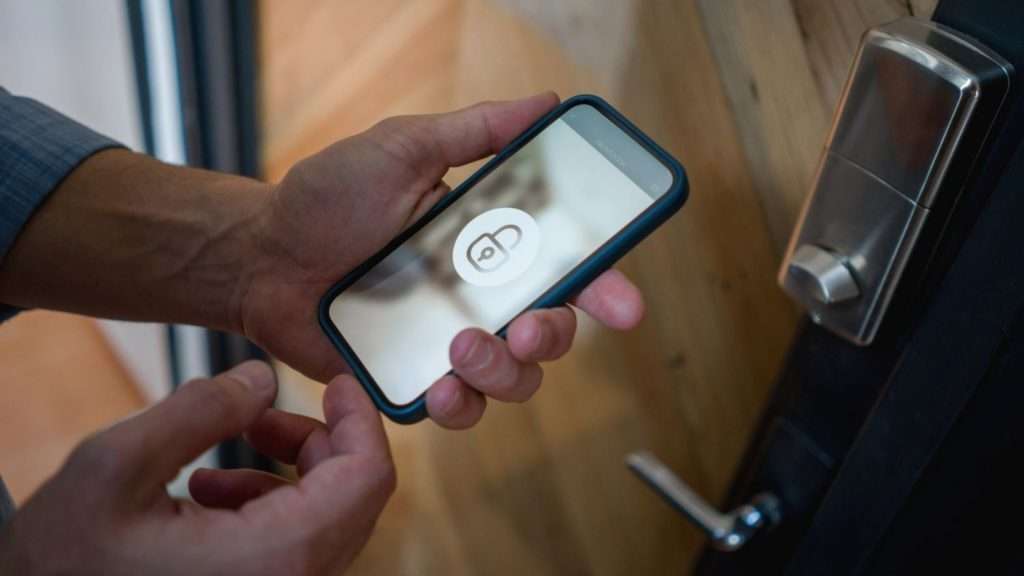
{"x":39,"y":147}
{"x":6,"y":504}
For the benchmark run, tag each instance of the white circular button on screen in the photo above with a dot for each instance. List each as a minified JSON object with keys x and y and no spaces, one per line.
{"x":496,"y":247}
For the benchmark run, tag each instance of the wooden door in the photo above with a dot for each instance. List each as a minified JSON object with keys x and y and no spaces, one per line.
{"x":742,"y":92}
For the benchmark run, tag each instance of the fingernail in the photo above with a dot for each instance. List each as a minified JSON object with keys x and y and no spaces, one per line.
{"x":453,"y":403}
{"x":255,"y":375}
{"x":477,"y":355}
{"x":461,"y":345}
{"x":535,"y":335}
{"x":540,"y":95}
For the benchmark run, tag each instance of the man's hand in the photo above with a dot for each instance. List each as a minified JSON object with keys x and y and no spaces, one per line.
{"x":107,"y":511}
{"x":337,"y":208}
{"x":125,"y":236}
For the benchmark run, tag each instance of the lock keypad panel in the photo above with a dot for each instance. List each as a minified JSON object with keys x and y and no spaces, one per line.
{"x":904,"y":114}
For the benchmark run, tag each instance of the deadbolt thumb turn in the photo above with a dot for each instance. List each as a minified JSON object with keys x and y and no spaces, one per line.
{"x":919,"y":105}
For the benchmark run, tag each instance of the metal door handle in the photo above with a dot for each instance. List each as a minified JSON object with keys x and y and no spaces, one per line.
{"x":727,"y":532}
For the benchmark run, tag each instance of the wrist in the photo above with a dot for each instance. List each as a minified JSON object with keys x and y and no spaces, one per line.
{"x":231,"y":255}
{"x":138,"y":239}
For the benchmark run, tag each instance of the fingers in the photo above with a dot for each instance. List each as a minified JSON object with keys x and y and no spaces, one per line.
{"x":231,"y":488}
{"x":351,"y":487}
{"x":507,"y":370}
{"x":613,"y":301}
{"x":453,"y":404}
{"x":290,"y":438}
{"x":427,"y":201}
{"x":483,"y":129}
{"x":348,"y":487}
{"x":541,"y":335}
{"x":293,"y":439}
{"x":354,"y":423}
{"x":158,"y":442}
{"x":340,"y":500}
{"x":485,"y":362}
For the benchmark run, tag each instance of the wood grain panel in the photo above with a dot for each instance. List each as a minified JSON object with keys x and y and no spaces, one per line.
{"x":331,"y":72}
{"x":59,"y":381}
{"x":742,"y":93}
{"x":781,"y":117}
{"x":783,"y":64}
{"x":831,"y":31}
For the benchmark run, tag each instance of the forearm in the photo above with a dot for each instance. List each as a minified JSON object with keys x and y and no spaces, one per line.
{"x":126,"y":236}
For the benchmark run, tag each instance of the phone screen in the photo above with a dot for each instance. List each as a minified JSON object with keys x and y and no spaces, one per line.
{"x":496,"y":249}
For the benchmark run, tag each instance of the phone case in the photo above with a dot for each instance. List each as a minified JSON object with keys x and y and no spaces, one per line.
{"x":558,"y":294}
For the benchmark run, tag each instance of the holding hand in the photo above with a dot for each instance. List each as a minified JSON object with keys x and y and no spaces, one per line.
{"x":107,"y":510}
{"x":339,"y":207}
{"x":126,"y":236}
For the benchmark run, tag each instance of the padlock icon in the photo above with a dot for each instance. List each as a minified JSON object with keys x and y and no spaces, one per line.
{"x":490,"y":250}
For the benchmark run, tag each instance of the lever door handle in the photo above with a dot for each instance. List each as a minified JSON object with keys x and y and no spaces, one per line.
{"x":727,"y":532}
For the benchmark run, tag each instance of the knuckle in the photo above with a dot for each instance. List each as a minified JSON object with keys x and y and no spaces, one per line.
{"x":407,"y":138}
{"x":511,"y":382}
{"x":299,"y":560}
{"x":221,"y":396}
{"x":304,"y":560}
{"x":387,"y":479}
{"x":381,"y":476}
{"x":565,"y":333}
{"x":482,"y":106}
{"x":547,"y":335}
{"x":392,"y":124}
{"x":507,"y":389}
{"x":533,"y":375}
{"x":99,"y":456}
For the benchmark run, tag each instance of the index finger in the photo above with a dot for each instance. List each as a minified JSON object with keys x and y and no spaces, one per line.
{"x":436,"y":142}
{"x":612,"y":300}
{"x":352,"y":485}
{"x":483,"y":129}
{"x":354,"y":422}
{"x":346,"y":488}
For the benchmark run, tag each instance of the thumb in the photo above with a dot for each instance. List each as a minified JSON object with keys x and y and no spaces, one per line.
{"x":203,"y":412}
{"x":351,"y":484}
{"x":435,"y":142}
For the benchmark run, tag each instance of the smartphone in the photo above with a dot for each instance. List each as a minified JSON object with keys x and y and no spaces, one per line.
{"x":532,"y":227}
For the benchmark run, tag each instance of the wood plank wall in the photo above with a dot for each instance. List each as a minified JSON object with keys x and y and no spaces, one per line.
{"x":59,"y":381}
{"x":742,"y":91}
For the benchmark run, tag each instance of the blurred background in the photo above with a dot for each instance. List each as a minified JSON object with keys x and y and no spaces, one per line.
{"x":740,"y":91}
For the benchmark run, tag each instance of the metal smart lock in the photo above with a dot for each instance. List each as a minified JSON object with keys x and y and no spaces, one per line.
{"x":918,"y":107}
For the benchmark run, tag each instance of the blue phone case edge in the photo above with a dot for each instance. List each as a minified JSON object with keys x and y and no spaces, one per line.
{"x":582,"y":275}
